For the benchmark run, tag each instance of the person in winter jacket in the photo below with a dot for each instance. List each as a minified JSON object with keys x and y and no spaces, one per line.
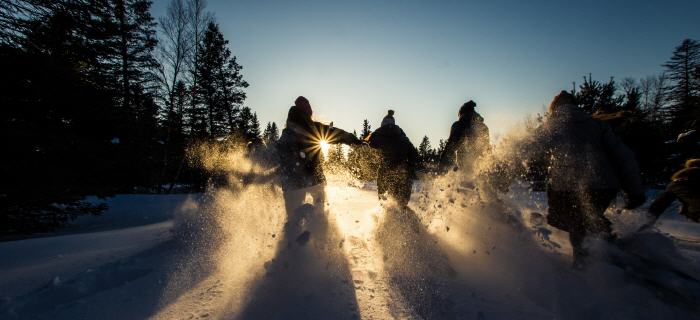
{"x":587,"y":166}
{"x":685,"y":187}
{"x":398,"y":160}
{"x":469,"y":140}
{"x":299,"y":155}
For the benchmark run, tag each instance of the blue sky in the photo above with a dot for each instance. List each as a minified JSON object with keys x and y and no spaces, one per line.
{"x":355,"y":59}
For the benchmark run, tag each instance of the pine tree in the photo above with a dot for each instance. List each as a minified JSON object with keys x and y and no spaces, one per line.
{"x":588,"y":94}
{"x":254,"y":132}
{"x":366,"y":130}
{"x":425,"y":151}
{"x":246,"y":124}
{"x":128,"y":32}
{"x":597,"y":97}
{"x":274,"y":133}
{"x":632,"y":95}
{"x":219,"y":85}
{"x":684,"y":89}
{"x":440,"y":150}
{"x":270,"y":134}
{"x":175,"y":121}
{"x":198,"y":20}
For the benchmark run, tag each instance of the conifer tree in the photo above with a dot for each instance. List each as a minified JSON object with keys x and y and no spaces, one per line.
{"x":425,"y":151}
{"x":684,"y":88}
{"x":271,"y":133}
{"x":219,"y":85}
{"x":366,"y":130}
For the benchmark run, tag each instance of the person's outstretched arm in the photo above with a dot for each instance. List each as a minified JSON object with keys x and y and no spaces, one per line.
{"x":660,"y":204}
{"x":339,"y":136}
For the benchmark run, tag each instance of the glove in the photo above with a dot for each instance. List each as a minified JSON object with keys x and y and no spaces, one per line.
{"x":634,"y":201}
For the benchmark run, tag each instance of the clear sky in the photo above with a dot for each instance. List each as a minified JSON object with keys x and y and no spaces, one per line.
{"x":355,"y":59}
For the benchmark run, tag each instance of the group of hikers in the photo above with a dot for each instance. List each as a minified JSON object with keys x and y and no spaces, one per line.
{"x":587,"y":165}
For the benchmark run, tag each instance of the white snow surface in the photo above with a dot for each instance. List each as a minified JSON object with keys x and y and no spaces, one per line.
{"x":226,"y":255}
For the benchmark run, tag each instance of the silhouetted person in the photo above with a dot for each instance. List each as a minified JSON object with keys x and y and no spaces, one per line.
{"x":469,"y":139}
{"x":587,"y":166}
{"x":398,"y":164}
{"x":684,"y":187}
{"x":299,"y":155}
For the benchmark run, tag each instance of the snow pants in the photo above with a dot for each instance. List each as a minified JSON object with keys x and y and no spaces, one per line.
{"x":580,"y":213}
{"x":397,"y":182}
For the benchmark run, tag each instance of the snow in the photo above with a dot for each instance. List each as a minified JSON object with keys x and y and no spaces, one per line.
{"x":225,"y":255}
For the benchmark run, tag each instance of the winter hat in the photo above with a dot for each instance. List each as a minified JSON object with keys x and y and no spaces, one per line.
{"x":563,"y":98}
{"x":388,"y":119}
{"x":303,"y":105}
{"x":467,"y":107}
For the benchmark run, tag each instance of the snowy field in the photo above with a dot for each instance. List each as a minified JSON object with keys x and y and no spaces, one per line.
{"x":226,"y":255}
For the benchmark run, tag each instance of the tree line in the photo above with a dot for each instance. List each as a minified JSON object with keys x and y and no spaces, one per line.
{"x":100,"y":98}
{"x":658,"y":117}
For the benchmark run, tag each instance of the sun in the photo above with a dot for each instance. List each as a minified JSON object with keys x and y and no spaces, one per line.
{"x":325,"y":146}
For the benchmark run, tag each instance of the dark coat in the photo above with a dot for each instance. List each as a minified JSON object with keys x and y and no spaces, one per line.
{"x":587,"y":165}
{"x":684,"y":186}
{"x":585,"y":154}
{"x":398,"y":161}
{"x":395,"y":147}
{"x":299,"y":153}
{"x":469,"y":138}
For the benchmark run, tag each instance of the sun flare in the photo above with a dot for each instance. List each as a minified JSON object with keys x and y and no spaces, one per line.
{"x":325,"y":146}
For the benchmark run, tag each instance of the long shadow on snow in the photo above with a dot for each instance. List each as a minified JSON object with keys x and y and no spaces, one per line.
{"x":309,"y":277}
{"x":416,"y":267}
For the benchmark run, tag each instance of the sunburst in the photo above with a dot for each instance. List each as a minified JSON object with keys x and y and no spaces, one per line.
{"x":320,"y":139}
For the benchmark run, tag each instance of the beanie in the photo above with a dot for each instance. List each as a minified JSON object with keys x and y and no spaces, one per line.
{"x":303,"y":105}
{"x":388,"y":119}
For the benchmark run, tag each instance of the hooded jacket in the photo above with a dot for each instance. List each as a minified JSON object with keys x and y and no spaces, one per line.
{"x":585,"y":154}
{"x":469,"y":136}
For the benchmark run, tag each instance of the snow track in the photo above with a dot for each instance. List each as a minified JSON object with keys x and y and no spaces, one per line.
{"x":230,"y":256}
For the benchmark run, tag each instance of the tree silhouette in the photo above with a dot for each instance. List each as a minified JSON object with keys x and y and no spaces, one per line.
{"x":684,"y":87}
{"x":271,"y":133}
{"x":219,"y":85}
{"x":366,"y":129}
{"x":426,"y":154}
